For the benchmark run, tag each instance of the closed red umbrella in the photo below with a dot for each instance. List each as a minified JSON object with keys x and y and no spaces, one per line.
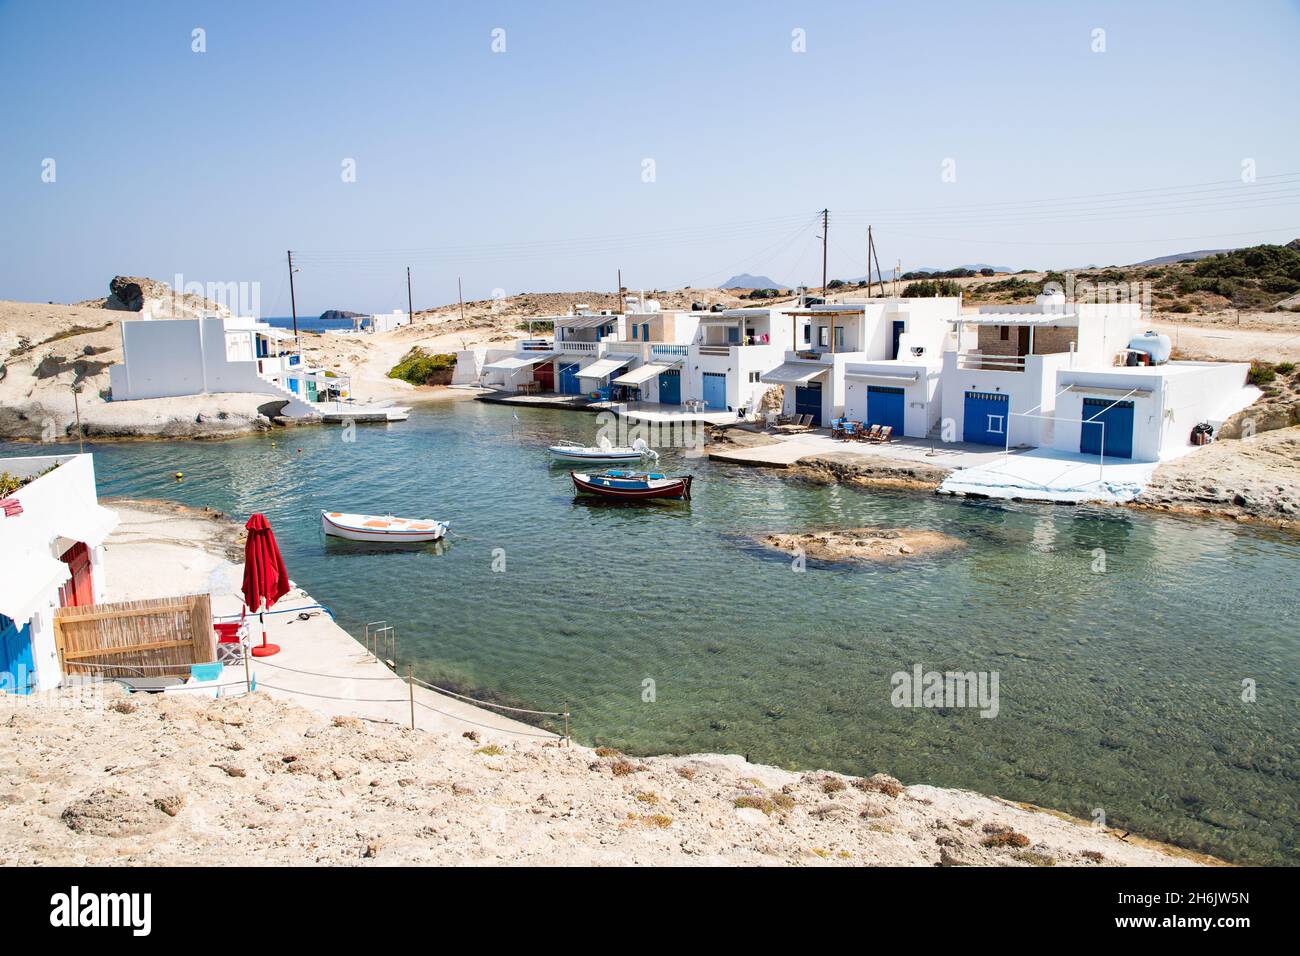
{"x":266,"y":579}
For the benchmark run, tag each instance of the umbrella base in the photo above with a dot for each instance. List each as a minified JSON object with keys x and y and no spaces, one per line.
{"x":265,"y":650}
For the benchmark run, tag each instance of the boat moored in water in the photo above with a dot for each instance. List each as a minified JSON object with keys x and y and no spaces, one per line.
{"x":632,"y":485}
{"x":384,"y":528}
{"x":605,"y":451}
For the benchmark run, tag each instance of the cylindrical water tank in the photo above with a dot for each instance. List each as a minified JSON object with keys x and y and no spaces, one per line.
{"x":1154,"y":344}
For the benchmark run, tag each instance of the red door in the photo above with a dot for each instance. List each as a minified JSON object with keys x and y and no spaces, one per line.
{"x":80,"y":591}
{"x":544,"y":376}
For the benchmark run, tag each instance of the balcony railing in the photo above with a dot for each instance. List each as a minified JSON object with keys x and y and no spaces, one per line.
{"x":591,"y":347}
{"x":715,"y":349}
{"x":978,"y":361}
{"x":535,"y":345}
{"x":674,"y":351}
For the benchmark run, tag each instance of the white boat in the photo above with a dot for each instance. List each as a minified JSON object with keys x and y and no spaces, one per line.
{"x":604,"y":451}
{"x":381,"y":528}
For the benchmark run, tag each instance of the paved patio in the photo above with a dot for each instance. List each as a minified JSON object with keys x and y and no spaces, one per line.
{"x":788,"y":449}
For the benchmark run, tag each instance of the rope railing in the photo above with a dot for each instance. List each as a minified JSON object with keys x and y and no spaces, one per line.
{"x":488,"y":703}
{"x":250,"y":683}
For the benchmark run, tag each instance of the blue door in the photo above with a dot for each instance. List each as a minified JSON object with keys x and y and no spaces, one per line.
{"x":885,"y":407}
{"x":898,"y":333}
{"x":16,"y":662}
{"x":985,"y":421}
{"x":808,"y":401}
{"x":733,"y":335}
{"x":715,"y":391}
{"x":569,"y":379}
{"x":670,"y":387}
{"x":1118,"y":431}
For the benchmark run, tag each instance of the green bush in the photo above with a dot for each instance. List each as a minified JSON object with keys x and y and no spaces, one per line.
{"x":418,"y":366}
{"x":931,"y":288}
{"x":1284,"y":368}
{"x":1261,"y":373}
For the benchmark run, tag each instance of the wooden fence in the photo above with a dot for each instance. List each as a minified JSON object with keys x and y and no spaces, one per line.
{"x":160,"y":637}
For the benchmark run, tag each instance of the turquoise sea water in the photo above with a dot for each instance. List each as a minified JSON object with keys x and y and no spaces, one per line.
{"x":1119,"y":691}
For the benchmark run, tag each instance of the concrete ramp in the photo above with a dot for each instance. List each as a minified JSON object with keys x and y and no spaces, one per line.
{"x":1042,"y":474}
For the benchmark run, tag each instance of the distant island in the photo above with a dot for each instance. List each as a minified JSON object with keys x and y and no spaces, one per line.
{"x":339,"y":315}
{"x":747,"y":281}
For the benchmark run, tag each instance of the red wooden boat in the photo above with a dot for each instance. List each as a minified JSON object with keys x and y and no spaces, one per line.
{"x":631,"y":485}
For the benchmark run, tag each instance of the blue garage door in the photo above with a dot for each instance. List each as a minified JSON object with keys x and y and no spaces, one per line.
{"x":1118,"y":433}
{"x":985,"y":419}
{"x":885,"y":407}
{"x":569,"y":380}
{"x":808,"y":401}
{"x":670,"y":387}
{"x":715,"y":391}
{"x":17,"y":668}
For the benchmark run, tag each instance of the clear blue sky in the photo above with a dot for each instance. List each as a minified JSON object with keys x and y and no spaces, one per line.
{"x":491,"y":165}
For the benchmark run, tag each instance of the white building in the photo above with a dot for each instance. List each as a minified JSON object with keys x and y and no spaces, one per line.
{"x":1056,"y":374}
{"x":380,"y":322}
{"x":170,"y":357}
{"x":52,"y":533}
{"x":731,"y":351}
{"x":873,"y":360}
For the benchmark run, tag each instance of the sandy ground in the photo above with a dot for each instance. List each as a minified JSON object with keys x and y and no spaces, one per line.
{"x":1272,"y":337}
{"x":172,"y":780}
{"x":105,"y":778}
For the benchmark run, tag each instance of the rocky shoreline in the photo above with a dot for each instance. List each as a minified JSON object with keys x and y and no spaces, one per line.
{"x":178,"y":780}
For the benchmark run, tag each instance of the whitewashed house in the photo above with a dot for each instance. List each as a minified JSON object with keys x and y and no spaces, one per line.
{"x":877,"y":361}
{"x":52,"y":533}
{"x":1057,"y":374}
{"x":170,"y":357}
{"x":729,"y":354}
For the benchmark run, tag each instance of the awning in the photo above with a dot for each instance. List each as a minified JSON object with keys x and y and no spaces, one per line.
{"x":90,"y":525}
{"x":584,"y":321}
{"x":602,"y":367}
{"x":898,"y":378}
{"x":512,"y":362}
{"x":644,"y":373}
{"x":280,"y":335}
{"x":27,"y":585}
{"x":792,"y":373}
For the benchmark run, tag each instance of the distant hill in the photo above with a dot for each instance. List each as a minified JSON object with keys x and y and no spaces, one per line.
{"x":1181,"y":257}
{"x":747,"y":281}
{"x":973,"y":266}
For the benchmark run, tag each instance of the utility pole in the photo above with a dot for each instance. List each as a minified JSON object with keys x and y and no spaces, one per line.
{"x":81,"y":432}
{"x":826,"y":223}
{"x":618,"y":296}
{"x":870,"y":286}
{"x":461,"y":296}
{"x":293,"y":302}
{"x":410,"y":309}
{"x":876,"y":258}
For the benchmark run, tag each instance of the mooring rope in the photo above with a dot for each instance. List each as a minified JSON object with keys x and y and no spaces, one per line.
{"x":503,"y":730}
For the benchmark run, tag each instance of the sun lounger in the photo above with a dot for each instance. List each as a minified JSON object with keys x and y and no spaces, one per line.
{"x":868,"y":434}
{"x":885,"y":432}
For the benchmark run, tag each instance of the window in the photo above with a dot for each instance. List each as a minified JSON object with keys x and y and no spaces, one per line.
{"x":1004,"y":332}
{"x":807,"y":334}
{"x":823,"y":336}
{"x":633,"y":330}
